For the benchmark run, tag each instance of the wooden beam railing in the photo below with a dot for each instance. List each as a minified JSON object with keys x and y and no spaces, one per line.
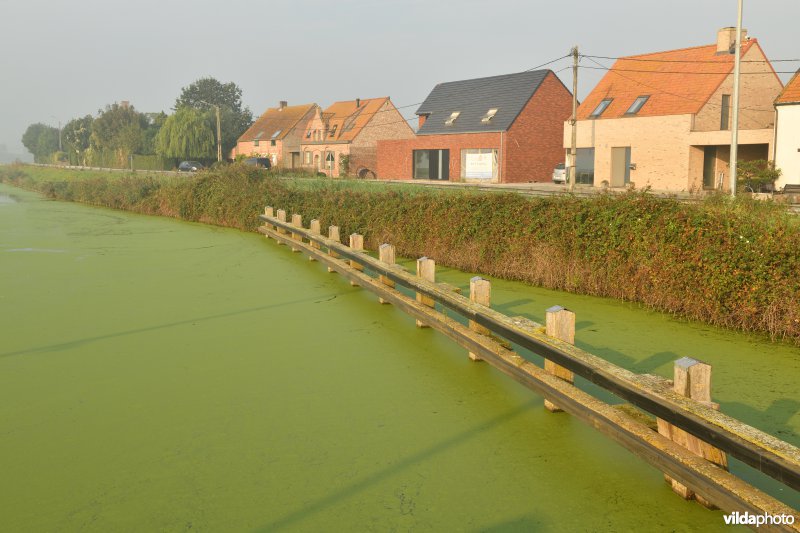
{"x":650,"y":393}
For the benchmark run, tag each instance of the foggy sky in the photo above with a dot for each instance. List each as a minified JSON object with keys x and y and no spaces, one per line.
{"x":62,"y":60}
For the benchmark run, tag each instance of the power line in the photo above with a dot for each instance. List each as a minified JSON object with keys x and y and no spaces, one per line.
{"x":617,"y":69}
{"x":408,"y":120}
{"x":689,"y":60}
{"x":684,"y":97}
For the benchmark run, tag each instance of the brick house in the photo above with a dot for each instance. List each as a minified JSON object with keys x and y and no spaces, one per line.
{"x":346,"y":134}
{"x":787,"y":133}
{"x":663,"y":119}
{"x":277,"y":134}
{"x":500,"y":129}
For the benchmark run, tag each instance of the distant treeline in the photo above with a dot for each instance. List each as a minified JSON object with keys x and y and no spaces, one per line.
{"x":122,"y":137}
{"x":729,"y":263}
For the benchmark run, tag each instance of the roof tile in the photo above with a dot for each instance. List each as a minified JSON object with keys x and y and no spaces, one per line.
{"x":275,"y":121}
{"x":791,"y":93}
{"x":677,"y":81}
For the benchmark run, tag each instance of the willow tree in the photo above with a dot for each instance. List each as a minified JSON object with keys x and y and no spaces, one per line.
{"x":187,"y":134}
{"x":206,"y":93}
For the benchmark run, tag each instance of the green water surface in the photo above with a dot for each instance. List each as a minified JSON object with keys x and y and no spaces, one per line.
{"x":157,"y":375}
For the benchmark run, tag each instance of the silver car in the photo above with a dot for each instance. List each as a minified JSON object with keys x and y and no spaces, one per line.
{"x":560,"y":173}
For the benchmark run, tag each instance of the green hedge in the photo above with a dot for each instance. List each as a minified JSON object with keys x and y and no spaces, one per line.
{"x":733,"y":264}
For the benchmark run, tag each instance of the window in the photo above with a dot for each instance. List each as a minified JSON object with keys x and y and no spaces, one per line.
{"x":306,"y":157}
{"x":637,"y":105}
{"x":333,"y":131}
{"x":308,"y":134}
{"x":275,"y":135}
{"x":255,"y":142}
{"x":479,"y":163}
{"x":431,"y":164}
{"x":329,"y":161}
{"x":584,"y":166}
{"x":272,"y":142}
{"x":600,"y":107}
{"x":489,"y":115}
{"x":724,"y":119}
{"x":453,"y":117}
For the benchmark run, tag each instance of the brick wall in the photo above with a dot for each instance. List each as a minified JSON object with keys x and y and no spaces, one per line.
{"x":395,"y":158}
{"x":529,"y":150}
{"x":386,"y":123}
{"x":533,"y":142}
{"x":758,"y":90}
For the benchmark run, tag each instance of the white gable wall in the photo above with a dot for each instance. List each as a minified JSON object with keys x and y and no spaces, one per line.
{"x":787,"y":144}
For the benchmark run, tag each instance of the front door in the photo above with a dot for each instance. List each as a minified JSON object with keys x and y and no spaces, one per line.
{"x":295,"y":159}
{"x":620,"y":166}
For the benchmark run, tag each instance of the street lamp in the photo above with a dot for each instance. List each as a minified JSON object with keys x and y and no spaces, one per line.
{"x":219,"y":130}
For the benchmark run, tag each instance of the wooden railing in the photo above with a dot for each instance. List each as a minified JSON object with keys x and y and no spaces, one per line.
{"x":689,"y":439}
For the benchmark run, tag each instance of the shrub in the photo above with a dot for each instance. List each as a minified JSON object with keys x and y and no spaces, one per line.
{"x":732,"y":263}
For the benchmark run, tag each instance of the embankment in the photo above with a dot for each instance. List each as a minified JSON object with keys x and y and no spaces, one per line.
{"x":734,"y":264}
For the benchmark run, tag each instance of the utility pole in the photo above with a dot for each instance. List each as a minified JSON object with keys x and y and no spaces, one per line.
{"x":219,"y":136}
{"x":571,"y":173}
{"x":735,"y":128}
{"x":219,"y":129}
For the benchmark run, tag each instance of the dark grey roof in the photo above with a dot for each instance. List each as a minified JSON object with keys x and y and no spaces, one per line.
{"x":473,"y":98}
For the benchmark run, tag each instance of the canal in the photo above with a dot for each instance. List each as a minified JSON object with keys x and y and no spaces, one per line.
{"x":162,"y":375}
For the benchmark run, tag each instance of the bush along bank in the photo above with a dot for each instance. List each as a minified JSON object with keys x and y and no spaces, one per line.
{"x":729,"y":263}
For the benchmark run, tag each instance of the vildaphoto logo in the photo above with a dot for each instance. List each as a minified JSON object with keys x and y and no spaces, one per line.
{"x":746,"y":519}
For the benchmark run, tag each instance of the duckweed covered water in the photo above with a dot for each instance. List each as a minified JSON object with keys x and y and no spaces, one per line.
{"x":160,"y":375}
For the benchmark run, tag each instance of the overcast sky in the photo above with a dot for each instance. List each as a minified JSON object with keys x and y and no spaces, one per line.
{"x":62,"y":60}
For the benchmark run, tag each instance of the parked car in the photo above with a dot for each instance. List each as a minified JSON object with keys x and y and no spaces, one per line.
{"x":560,"y":173}
{"x":190,"y":166}
{"x":260,"y":162}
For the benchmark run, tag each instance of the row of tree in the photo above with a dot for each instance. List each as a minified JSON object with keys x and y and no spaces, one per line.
{"x":120,"y":131}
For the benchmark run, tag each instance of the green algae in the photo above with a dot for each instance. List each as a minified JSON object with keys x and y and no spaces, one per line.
{"x":161,"y":375}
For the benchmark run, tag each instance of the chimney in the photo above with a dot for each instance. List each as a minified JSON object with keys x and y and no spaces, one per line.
{"x":282,"y":104}
{"x":726,"y":40}
{"x":358,"y":102}
{"x":125,"y":104}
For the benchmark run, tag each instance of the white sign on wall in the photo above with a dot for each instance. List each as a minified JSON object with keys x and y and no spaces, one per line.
{"x":478,"y":165}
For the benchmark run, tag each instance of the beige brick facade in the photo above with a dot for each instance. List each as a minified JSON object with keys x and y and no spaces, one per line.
{"x":674,"y":151}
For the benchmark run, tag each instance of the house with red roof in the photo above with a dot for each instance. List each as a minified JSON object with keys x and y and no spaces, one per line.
{"x":277,"y":134}
{"x":497,"y":129}
{"x":787,"y":133}
{"x":664,"y":119}
{"x":342,"y":139}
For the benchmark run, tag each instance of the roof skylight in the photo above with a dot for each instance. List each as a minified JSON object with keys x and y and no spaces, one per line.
{"x":601,"y":107}
{"x":453,"y":117}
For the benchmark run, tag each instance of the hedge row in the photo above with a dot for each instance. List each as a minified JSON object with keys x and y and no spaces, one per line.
{"x":730,"y":263}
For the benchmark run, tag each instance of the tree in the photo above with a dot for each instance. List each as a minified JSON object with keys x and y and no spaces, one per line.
{"x":118,"y":129}
{"x":76,"y":135}
{"x":206,"y":93}
{"x":154,"y":123}
{"x":41,"y":140}
{"x":187,"y":134}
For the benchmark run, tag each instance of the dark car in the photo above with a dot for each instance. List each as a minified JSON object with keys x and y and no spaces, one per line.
{"x":260,"y":162}
{"x":190,"y":166}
